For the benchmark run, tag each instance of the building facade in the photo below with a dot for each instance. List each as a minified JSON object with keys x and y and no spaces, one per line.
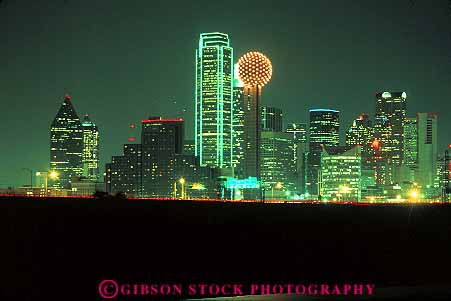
{"x":213,"y":100}
{"x":340,"y":174}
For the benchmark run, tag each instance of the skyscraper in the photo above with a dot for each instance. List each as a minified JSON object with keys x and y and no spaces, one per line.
{"x":324,"y":128}
{"x":271,"y":119}
{"x":161,"y":140}
{"x":324,"y":131}
{"x":90,"y":149}
{"x":389,"y":130}
{"x":66,"y":145}
{"x":427,"y":149}
{"x":213,"y":100}
{"x":299,"y":135}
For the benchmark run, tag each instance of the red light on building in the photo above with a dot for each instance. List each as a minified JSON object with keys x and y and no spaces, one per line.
{"x":376,"y":145}
{"x":132,"y":125}
{"x":449,"y":146}
{"x":131,"y":139}
{"x":67,"y":97}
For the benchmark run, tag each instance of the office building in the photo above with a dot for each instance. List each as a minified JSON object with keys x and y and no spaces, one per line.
{"x":340,"y":174}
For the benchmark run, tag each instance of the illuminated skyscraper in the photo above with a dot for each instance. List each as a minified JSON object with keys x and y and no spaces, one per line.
{"x":90,"y":149}
{"x":271,"y":119}
{"x":340,"y":173}
{"x":427,"y":149}
{"x":238,"y":125}
{"x":389,"y":130}
{"x":324,"y":131}
{"x":299,"y":135}
{"x":277,"y":166}
{"x":213,"y":97}
{"x":66,"y":145}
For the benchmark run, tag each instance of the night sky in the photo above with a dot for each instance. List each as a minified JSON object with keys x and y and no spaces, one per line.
{"x":123,"y":61}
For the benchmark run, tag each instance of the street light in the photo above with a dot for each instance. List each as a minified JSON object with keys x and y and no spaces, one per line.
{"x":414,"y":195}
{"x":343,"y":190}
{"x":31,"y":179}
{"x":278,"y":185}
{"x":47,"y":174}
{"x":182,"y":181}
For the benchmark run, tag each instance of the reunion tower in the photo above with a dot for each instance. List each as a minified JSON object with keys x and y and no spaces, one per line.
{"x":255,"y":71}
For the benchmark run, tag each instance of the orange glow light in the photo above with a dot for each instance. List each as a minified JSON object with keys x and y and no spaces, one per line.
{"x":375,"y":144}
{"x":254,"y":69}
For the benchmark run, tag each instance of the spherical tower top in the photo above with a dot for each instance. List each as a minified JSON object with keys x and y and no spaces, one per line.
{"x":255,"y":69}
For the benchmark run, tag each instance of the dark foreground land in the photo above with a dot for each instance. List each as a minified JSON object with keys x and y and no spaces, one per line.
{"x":60,"y":249}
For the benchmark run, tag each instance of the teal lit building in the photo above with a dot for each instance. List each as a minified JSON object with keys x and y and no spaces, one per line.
{"x":90,"y":149}
{"x":340,"y":174}
{"x":214,"y":100}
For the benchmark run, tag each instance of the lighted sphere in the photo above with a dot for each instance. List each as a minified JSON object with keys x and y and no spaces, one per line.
{"x":254,"y":69}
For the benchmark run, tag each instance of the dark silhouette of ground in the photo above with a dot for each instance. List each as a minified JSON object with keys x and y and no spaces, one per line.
{"x":62,"y":248}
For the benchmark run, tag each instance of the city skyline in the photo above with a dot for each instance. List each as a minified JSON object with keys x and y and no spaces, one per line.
{"x":114,"y":121}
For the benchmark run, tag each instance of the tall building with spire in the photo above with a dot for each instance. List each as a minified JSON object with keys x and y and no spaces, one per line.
{"x":213,"y":100}
{"x":66,"y":145}
{"x":90,"y":149}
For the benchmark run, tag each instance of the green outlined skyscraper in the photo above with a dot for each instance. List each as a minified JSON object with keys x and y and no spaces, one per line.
{"x":213,"y":100}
